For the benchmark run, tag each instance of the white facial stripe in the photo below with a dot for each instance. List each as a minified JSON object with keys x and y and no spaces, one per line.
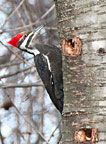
{"x":25,"y":41}
{"x":32,"y":39}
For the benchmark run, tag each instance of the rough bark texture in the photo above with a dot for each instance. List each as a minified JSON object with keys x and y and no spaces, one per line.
{"x":84,"y":76}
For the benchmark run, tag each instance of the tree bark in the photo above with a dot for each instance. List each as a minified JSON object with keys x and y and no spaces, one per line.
{"x":84,"y":75}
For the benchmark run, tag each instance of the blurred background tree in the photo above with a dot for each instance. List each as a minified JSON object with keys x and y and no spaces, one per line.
{"x":27,"y":115}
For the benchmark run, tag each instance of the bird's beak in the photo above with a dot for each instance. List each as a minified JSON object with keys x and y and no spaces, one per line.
{"x":35,"y":36}
{"x":37,"y":30}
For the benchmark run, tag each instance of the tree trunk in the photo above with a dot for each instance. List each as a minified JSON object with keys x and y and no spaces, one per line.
{"x":84,"y":114}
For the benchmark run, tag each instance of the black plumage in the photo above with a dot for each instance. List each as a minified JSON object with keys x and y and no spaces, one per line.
{"x":56,"y":78}
{"x":53,"y":85}
{"x":51,"y":77}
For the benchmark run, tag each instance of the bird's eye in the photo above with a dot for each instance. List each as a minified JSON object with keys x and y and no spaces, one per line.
{"x":25,"y":35}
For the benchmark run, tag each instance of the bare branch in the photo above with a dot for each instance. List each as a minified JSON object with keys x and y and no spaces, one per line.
{"x":12,"y":64}
{"x":49,"y":10}
{"x":27,"y":26}
{"x":54,"y":131}
{"x":32,"y":24}
{"x":20,"y":17}
{"x":24,"y":85}
{"x":15,"y":73}
{"x":12,"y":13}
{"x":27,"y":15}
{"x":31,"y":124}
{"x":16,"y":54}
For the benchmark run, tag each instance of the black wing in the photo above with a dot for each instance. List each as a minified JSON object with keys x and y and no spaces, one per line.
{"x":46,"y":77}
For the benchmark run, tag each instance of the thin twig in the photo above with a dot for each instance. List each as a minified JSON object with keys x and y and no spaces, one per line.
{"x":32,"y":24}
{"x":20,"y":17}
{"x":12,"y":13}
{"x":31,"y":124}
{"x":27,"y":26}
{"x":46,"y":13}
{"x":54,"y":131}
{"x":12,"y":64}
{"x":15,"y":73}
{"x":27,"y":16}
{"x":9,"y":65}
{"x":17,"y":55}
{"x":24,"y":85}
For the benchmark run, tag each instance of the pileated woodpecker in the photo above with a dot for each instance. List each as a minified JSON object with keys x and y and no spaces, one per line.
{"x":48,"y":62}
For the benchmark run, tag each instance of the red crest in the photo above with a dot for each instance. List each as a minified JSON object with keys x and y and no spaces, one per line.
{"x":15,"y":39}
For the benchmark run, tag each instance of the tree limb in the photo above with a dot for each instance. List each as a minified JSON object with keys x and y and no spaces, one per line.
{"x":24,"y":85}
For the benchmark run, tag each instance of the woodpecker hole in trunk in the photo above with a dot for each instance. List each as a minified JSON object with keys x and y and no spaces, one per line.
{"x":86,"y":135}
{"x":71,"y":47}
{"x":71,"y":42}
